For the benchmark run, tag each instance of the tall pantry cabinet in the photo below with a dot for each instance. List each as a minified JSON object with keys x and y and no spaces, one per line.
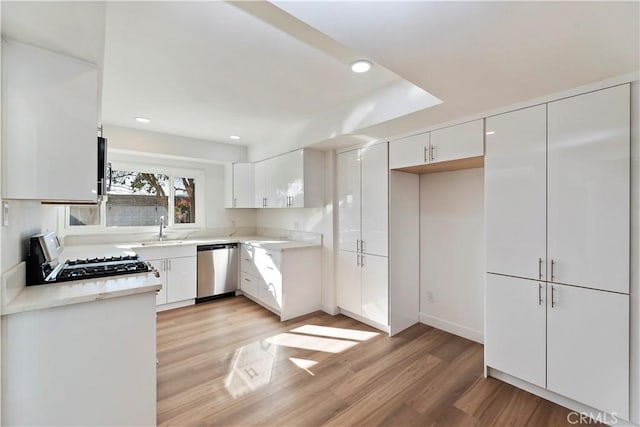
{"x":557,"y":181}
{"x":362,"y":263}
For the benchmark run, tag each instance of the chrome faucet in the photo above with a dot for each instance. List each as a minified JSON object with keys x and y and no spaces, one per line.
{"x":160,"y":235}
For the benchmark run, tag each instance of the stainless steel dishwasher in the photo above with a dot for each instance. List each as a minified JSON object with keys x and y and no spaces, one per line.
{"x":217,"y":271}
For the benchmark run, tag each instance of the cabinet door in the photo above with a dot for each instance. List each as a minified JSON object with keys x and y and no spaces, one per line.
{"x":457,"y":142}
{"x":50,"y":108}
{"x":349,"y":282}
{"x":181,"y":279}
{"x":293,"y":169}
{"x":249,"y":284}
{"x":375,"y":288}
{"x":349,"y":200}
{"x":515,"y":333}
{"x":410,"y":151}
{"x":588,"y":201}
{"x":588,"y":347}
{"x":375,"y":200}
{"x":161,"y":296}
{"x":515,"y":173}
{"x":259,"y":188}
{"x":275,"y":182}
{"x":243,"y":185}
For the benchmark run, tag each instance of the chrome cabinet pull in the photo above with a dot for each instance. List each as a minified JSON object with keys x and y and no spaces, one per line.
{"x":169,"y":265}
{"x":358,"y":260}
{"x":539,"y":268}
{"x":247,"y":280}
{"x":432,"y":150}
{"x":362,"y":246}
{"x":553,"y":301}
{"x":553,"y":264}
{"x":357,"y":245}
{"x":425,"y":154}
{"x":539,"y":293}
{"x":361,"y":260}
{"x":235,"y":202}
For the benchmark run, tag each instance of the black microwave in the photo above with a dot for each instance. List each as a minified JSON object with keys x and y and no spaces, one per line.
{"x":102,"y":167}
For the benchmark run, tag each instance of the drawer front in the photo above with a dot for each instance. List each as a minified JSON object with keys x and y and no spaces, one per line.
{"x":247,"y":261}
{"x":249,"y":284}
{"x":270,"y":294}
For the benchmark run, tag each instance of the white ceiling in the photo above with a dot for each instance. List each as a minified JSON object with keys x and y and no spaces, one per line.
{"x":278,"y":76}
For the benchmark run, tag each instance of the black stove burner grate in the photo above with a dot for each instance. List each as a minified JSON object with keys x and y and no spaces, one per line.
{"x":101,"y":267}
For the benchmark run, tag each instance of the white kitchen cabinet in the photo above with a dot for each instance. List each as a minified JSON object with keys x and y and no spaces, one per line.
{"x":177,"y":266}
{"x":241,"y":186}
{"x":516,"y":193}
{"x":349,"y":281}
{"x":375,"y":200}
{"x":50,"y":107}
{"x":287,"y":282}
{"x":588,"y":200}
{"x":588,"y":347}
{"x":515,"y":341}
{"x":375,"y":288}
{"x":260,"y":184}
{"x":349,"y":200}
{"x":409,"y":151}
{"x":363,"y":211}
{"x":181,"y":278}
{"x":457,"y":142}
{"x":291,"y":180}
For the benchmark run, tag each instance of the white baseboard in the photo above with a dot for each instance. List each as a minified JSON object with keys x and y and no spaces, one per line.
{"x":332,"y":310}
{"x":575,"y":406}
{"x":173,"y":305}
{"x":451,"y":327}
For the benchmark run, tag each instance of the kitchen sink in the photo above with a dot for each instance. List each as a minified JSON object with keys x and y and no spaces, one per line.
{"x":162,"y":243}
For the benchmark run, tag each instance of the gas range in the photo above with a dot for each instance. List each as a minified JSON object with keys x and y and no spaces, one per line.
{"x":43,"y":265}
{"x":89,"y":268}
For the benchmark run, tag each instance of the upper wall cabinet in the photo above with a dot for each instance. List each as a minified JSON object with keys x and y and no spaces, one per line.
{"x":291,"y":180}
{"x":50,"y":109}
{"x":429,"y":151}
{"x":240,"y":186}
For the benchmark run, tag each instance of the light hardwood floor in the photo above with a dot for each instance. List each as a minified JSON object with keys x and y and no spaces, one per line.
{"x":232,"y":363}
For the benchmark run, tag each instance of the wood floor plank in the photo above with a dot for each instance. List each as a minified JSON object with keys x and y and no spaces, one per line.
{"x":295,"y":374}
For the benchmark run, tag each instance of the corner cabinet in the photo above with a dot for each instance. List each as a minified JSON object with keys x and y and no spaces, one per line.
{"x":557,"y":206}
{"x":362,"y":282}
{"x":240,"y":183}
{"x":291,"y":180}
{"x":50,"y":108}
{"x":287,"y":282}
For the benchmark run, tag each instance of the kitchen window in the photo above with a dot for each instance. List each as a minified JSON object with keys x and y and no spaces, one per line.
{"x":138,"y":195}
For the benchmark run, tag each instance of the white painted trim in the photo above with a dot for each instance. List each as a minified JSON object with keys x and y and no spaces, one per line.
{"x":332,"y":310}
{"x":383,"y":328}
{"x":554,"y":397}
{"x":361,"y":145}
{"x":173,"y":305}
{"x":167,"y":156}
{"x":453,"y":328}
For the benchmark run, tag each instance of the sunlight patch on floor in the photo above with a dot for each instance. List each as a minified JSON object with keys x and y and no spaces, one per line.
{"x":250,"y":368}
{"x":327,"y":331}
{"x":304,"y":364}
{"x":328,"y":345}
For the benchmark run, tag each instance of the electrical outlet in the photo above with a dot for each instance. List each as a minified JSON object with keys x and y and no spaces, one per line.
{"x":429,"y":296}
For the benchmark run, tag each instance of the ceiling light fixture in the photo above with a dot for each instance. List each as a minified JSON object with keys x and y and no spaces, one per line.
{"x":142,"y":120}
{"x":491,"y":132}
{"x":361,"y":66}
{"x":234,"y":137}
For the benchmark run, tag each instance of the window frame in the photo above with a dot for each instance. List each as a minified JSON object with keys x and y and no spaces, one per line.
{"x":197,"y":174}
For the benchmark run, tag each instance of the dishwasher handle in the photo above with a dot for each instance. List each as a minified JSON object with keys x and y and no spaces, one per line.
{"x":216,"y":246}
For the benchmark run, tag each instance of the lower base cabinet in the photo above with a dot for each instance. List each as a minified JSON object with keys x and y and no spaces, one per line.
{"x":287,"y":282}
{"x":570,"y":340}
{"x":363,"y":285}
{"x":178,"y":276}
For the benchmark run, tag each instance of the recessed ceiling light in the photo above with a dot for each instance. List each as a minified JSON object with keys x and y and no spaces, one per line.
{"x":491,"y":132}
{"x":142,"y":120}
{"x":234,"y":137}
{"x":361,"y":66}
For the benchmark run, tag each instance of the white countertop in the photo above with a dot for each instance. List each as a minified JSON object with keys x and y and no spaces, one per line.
{"x":65,"y":293}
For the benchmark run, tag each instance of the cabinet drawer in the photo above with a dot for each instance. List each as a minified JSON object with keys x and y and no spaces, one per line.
{"x":270,"y":294}
{"x":249,"y":284}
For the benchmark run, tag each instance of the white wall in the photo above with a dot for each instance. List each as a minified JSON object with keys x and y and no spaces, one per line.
{"x":452,"y":251}
{"x":315,"y":220}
